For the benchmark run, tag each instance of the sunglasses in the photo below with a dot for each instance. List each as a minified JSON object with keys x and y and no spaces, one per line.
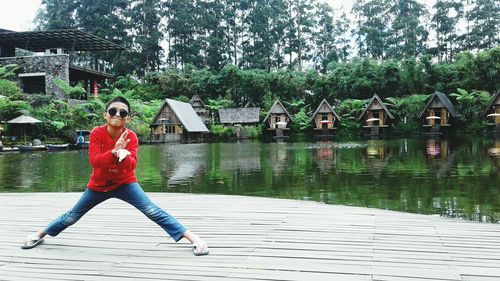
{"x":123,"y":113}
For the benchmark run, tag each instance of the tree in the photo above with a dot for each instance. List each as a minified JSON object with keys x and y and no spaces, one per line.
{"x":56,"y":14}
{"x":145,"y":18}
{"x":325,"y":51}
{"x":444,"y":22}
{"x":372,"y":28}
{"x":408,"y":35}
{"x":485,"y":30}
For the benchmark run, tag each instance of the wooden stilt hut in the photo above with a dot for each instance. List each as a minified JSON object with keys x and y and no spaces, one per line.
{"x":492,"y":113}
{"x":177,"y":121}
{"x":200,"y":108}
{"x":437,"y":114}
{"x":325,"y":120}
{"x":376,"y":117}
{"x":278,"y":120}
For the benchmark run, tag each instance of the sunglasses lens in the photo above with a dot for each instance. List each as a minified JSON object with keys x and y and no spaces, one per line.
{"x":112,"y":111}
{"x":123,"y":113}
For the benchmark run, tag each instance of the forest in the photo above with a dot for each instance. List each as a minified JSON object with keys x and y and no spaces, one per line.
{"x":232,"y":52}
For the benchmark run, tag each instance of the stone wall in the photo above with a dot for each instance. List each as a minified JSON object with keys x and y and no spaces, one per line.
{"x":54,"y":66}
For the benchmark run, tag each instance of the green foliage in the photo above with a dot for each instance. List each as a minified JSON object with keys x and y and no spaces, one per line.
{"x":9,"y":71}
{"x":72,"y":92}
{"x":10,"y":89}
{"x":221,"y":132}
{"x":470,"y":105}
{"x":215,"y":105}
{"x":301,"y":120}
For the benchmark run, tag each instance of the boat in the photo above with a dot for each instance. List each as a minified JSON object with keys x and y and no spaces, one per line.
{"x":31,"y":148}
{"x":57,"y":147}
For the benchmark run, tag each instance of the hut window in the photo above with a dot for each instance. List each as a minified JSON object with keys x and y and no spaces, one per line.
{"x":324,"y":116}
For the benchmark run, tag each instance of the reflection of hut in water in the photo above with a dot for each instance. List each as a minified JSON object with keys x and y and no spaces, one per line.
{"x":278,"y":120}
{"x":376,"y":117}
{"x":184,"y":163}
{"x":238,"y":117}
{"x":494,"y":152}
{"x":492,"y":113}
{"x":244,"y":158}
{"x":324,"y":157}
{"x":278,"y":155}
{"x":439,"y":156}
{"x":436,"y":148}
{"x":437,"y":114}
{"x":377,"y":156}
{"x":177,"y":121}
{"x":325,"y":120}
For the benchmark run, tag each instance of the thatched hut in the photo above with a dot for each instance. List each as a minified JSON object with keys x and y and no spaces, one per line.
{"x":376,"y":117}
{"x":177,"y":121}
{"x":437,"y":115}
{"x":325,"y":120}
{"x":278,"y":120}
{"x":492,"y":113}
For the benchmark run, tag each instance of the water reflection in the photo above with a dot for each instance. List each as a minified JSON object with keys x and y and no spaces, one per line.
{"x":450,"y":177}
{"x":377,"y":156}
{"x":324,"y":156}
{"x":278,"y":156}
{"x":494,"y":152}
{"x":184,"y":163}
{"x":440,"y":157}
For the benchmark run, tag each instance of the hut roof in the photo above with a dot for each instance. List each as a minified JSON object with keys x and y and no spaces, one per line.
{"x":277,"y":108}
{"x":376,"y":97}
{"x":239,"y":115}
{"x":196,"y":99}
{"x":319,"y":110}
{"x":186,"y":114}
{"x":444,"y":100}
{"x":71,"y":39}
{"x":494,"y":100}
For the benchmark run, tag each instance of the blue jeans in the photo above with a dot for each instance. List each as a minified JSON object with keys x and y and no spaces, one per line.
{"x":131,"y":193}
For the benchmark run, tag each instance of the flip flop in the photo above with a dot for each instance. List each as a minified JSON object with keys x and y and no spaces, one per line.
{"x":31,"y":242}
{"x":199,"y":251}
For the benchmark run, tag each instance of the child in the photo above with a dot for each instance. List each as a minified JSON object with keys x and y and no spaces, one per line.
{"x":113,"y":157}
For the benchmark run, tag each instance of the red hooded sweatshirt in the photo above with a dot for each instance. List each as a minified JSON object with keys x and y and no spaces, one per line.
{"x":107,"y":172}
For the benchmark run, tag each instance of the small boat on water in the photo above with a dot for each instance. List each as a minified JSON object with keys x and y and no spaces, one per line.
{"x":30,"y":148}
{"x":83,"y":145}
{"x":57,"y":147}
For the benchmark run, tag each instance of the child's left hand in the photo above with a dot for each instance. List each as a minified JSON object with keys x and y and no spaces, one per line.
{"x":122,"y":153}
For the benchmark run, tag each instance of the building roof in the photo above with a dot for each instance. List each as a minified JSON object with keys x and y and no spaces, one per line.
{"x":186,"y":114}
{"x":277,"y":108}
{"x":70,"y":39}
{"x":444,"y":100}
{"x":496,"y":97}
{"x":244,"y":115}
{"x":376,"y":97}
{"x":196,"y":99}
{"x":330,"y":110}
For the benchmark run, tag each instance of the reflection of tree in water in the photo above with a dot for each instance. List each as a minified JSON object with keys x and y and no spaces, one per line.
{"x":439,"y":156}
{"x":324,"y":156}
{"x":377,"y":156}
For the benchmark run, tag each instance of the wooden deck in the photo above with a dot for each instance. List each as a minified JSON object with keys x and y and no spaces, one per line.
{"x":250,"y":239}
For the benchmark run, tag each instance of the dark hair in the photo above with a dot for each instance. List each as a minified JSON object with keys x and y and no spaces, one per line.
{"x":119,"y":99}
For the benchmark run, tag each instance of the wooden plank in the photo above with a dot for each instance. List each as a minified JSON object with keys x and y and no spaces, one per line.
{"x":250,"y":239}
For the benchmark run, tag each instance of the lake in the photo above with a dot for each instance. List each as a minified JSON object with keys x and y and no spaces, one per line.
{"x":451,"y":177}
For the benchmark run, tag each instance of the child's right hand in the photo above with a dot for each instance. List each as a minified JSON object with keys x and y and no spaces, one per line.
{"x":121,"y":143}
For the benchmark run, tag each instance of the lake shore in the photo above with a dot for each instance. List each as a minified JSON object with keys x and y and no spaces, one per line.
{"x":249,"y":237}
